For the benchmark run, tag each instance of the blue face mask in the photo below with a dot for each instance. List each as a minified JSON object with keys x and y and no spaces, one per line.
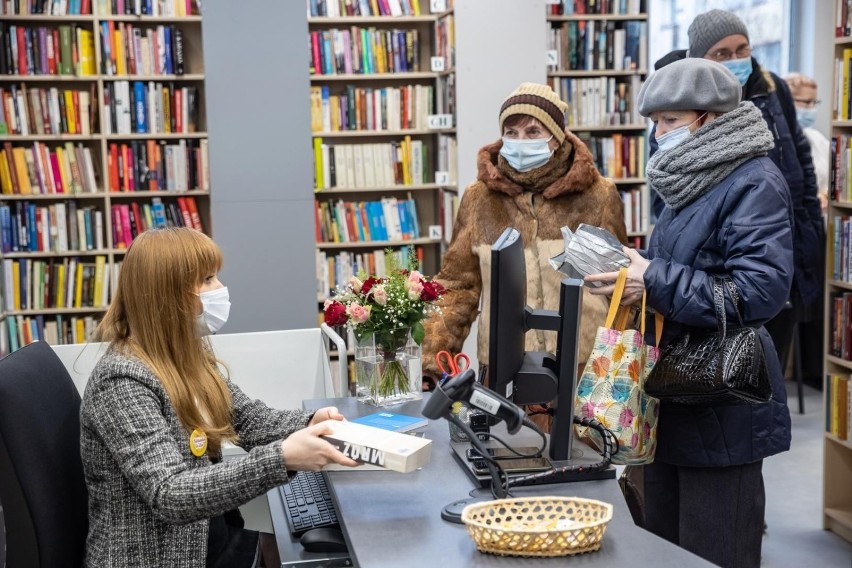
{"x":806,"y":117}
{"x":741,"y":68}
{"x":525,"y":155}
{"x":675,"y":137}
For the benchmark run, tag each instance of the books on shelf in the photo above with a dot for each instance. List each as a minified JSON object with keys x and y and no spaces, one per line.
{"x":130,"y":219}
{"x":617,"y":155}
{"x":39,"y":111}
{"x":599,"y":101}
{"x":840,"y":325}
{"x":165,"y":8}
{"x":46,"y":50}
{"x":127,"y":49}
{"x":391,"y":421}
{"x":69,"y":282}
{"x":371,"y":109}
{"x":58,"y":227}
{"x":360,"y":50}
{"x":149,"y":108}
{"x":334,"y":270}
{"x":389,"y":219}
{"x":840,"y":248}
{"x":338,"y":8}
{"x":838,"y":406}
{"x":366,"y":166}
{"x":635,"y":211}
{"x":45,"y":7}
{"x":589,"y":45}
{"x":56,"y":330}
{"x":67,"y":169}
{"x":150,"y":165}
{"x":579,"y":7}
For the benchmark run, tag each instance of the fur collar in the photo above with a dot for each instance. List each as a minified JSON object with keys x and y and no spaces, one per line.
{"x":571,"y":169}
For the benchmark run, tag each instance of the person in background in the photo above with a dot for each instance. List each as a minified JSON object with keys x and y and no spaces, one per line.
{"x":727,"y":213}
{"x":804,"y":92}
{"x":158,"y":408}
{"x":723,"y":37}
{"x":538,"y":178}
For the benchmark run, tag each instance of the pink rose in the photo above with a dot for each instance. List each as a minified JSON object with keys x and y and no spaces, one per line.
{"x":358,"y":313}
{"x":414,"y":276}
{"x":380,"y":295}
{"x":414,"y":289}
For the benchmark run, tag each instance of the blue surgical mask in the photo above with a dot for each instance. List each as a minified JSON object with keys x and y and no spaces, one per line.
{"x":525,"y":155}
{"x":741,"y":68}
{"x":806,"y":117}
{"x":675,"y":137}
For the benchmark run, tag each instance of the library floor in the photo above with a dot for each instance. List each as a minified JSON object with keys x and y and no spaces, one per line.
{"x":794,"y":496}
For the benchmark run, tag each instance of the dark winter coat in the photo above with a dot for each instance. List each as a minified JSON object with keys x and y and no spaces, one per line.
{"x":741,"y":228}
{"x":792,"y":155}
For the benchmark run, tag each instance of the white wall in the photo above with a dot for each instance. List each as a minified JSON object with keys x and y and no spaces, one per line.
{"x":499,"y":44}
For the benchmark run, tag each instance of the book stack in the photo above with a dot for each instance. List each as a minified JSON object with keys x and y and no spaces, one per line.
{"x":389,"y":219}
{"x":596,"y":44}
{"x":48,"y":284}
{"x":130,"y":219}
{"x":364,"y":51}
{"x":149,"y":165}
{"x":366,"y":166}
{"x":387,"y":108}
{"x":46,"y":50}
{"x":67,"y":169}
{"x":338,"y":8}
{"x":58,"y":227}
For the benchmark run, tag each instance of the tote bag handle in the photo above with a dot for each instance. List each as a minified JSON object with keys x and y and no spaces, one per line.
{"x":618,"y":315}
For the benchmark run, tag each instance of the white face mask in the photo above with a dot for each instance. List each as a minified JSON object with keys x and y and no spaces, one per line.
{"x":216,"y":306}
{"x":525,"y":155}
{"x":675,"y":137}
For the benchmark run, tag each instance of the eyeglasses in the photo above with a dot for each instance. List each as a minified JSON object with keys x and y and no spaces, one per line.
{"x":808,"y":103}
{"x":725,"y":54}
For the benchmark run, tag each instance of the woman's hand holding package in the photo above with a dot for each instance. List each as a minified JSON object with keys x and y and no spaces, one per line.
{"x":635,"y":285}
{"x":305,"y":450}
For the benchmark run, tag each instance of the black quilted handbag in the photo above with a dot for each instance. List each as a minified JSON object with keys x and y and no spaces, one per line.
{"x":709,"y":368}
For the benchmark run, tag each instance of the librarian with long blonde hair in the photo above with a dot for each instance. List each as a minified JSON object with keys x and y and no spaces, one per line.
{"x":157,"y":410}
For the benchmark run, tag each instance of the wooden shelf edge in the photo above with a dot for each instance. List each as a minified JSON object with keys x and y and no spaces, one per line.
{"x":845,"y":443}
{"x":347,"y":20}
{"x":378,"y":244}
{"x":838,"y":361}
{"x":54,"y":254}
{"x":344,"y":190}
{"x":839,"y":522}
{"x":598,"y":73}
{"x":841,"y":204}
{"x":375,"y":76}
{"x":382,"y":133}
{"x":586,"y":17}
{"x":840,"y":284}
{"x":55,"y":312}
{"x":605,"y":127}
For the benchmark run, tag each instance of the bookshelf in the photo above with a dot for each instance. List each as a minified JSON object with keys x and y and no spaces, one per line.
{"x":383,"y":133}
{"x":102,"y":135}
{"x":597,"y":59}
{"x":837,"y":389}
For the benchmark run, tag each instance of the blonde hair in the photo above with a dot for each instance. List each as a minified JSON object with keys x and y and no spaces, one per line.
{"x":796,"y":81}
{"x":153,"y":316}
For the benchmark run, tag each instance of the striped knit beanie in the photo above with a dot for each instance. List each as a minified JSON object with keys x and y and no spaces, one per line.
{"x":540,"y":102}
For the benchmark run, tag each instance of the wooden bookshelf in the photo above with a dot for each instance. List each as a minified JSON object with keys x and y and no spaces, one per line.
{"x":356,"y":120}
{"x":600,"y":87}
{"x":837,"y":450}
{"x":180,"y":173}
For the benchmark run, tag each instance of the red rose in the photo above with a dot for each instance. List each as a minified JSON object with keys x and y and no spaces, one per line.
{"x":368,"y":284}
{"x":335,"y":314}
{"x":432,"y":291}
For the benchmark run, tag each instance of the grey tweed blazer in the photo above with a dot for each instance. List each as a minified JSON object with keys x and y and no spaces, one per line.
{"x":150,"y":499}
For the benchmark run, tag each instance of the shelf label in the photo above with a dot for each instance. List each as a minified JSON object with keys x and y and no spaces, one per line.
{"x":442,"y":178}
{"x":437,"y":64}
{"x":551,"y":57}
{"x":439,"y":121}
{"x":436,"y":232}
{"x":437,"y":6}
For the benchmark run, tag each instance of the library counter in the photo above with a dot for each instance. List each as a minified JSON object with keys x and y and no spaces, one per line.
{"x":393,"y":519}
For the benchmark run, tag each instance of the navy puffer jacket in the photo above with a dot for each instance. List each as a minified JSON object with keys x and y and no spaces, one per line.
{"x":741,"y":228}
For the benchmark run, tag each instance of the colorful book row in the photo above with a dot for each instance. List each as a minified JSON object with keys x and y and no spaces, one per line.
{"x":130,"y":219}
{"x":368,"y":109}
{"x":843,"y":19}
{"x":617,"y":156}
{"x":635,"y":210}
{"x":838,"y":406}
{"x":150,"y":108}
{"x":599,"y":45}
{"x":47,"y":111}
{"x":31,"y":284}
{"x":599,"y":101}
{"x":45,"y":7}
{"x":59,"y":227}
{"x":46,"y":50}
{"x":389,"y":219}
{"x":338,"y":8}
{"x":158,"y":166}
{"x":842,"y":92}
{"x":55,"y":330}
{"x":840,"y":249}
{"x":364,"y":51}
{"x":167,"y":8}
{"x":335,"y":270}
{"x":66,"y":169}
{"x":575,"y":7}
{"x":370,"y":165}
{"x":840,"y":325}
{"x":127,"y":49}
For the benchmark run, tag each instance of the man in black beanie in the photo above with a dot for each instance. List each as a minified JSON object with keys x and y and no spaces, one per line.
{"x":723,"y":37}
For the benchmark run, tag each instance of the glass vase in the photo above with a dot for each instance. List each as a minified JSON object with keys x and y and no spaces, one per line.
{"x":388,"y":368}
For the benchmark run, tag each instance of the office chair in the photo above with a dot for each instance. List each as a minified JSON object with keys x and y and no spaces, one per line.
{"x":42,"y":488}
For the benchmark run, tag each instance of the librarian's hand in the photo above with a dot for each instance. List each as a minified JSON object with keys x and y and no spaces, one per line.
{"x":635,"y":286}
{"x":326,"y":413}
{"x":305,"y":450}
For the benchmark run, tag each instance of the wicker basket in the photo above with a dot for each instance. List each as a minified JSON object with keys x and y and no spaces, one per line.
{"x":537,"y":526}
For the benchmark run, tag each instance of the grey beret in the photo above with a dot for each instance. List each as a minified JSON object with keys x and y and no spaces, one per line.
{"x":690,"y":84}
{"x":709,"y":28}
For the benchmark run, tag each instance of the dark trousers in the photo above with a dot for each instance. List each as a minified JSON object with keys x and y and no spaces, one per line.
{"x":714,"y":512}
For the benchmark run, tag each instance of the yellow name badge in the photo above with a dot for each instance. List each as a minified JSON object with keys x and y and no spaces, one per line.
{"x":198,"y":442}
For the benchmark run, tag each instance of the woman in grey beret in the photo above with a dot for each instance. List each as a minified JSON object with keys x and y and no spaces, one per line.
{"x":727,"y":214}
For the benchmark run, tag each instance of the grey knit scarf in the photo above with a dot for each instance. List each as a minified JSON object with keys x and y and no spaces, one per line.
{"x":684,"y":173}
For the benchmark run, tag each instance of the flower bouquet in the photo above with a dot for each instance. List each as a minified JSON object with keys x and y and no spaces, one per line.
{"x":386,"y":314}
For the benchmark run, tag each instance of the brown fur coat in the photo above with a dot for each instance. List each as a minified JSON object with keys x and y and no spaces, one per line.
{"x":568,"y":190}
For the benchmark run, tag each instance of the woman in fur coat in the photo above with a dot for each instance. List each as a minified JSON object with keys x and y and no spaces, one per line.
{"x":538,"y":178}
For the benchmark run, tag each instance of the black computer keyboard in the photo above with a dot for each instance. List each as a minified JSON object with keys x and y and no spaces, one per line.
{"x":308,"y":503}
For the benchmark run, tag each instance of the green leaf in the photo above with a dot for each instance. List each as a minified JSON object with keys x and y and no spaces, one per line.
{"x":418,"y":333}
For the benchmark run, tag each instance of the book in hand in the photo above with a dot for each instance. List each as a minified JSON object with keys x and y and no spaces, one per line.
{"x":391,"y":421}
{"x":379,"y":448}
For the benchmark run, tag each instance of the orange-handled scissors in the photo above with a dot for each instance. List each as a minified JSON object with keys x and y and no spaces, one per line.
{"x":452,"y":365}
